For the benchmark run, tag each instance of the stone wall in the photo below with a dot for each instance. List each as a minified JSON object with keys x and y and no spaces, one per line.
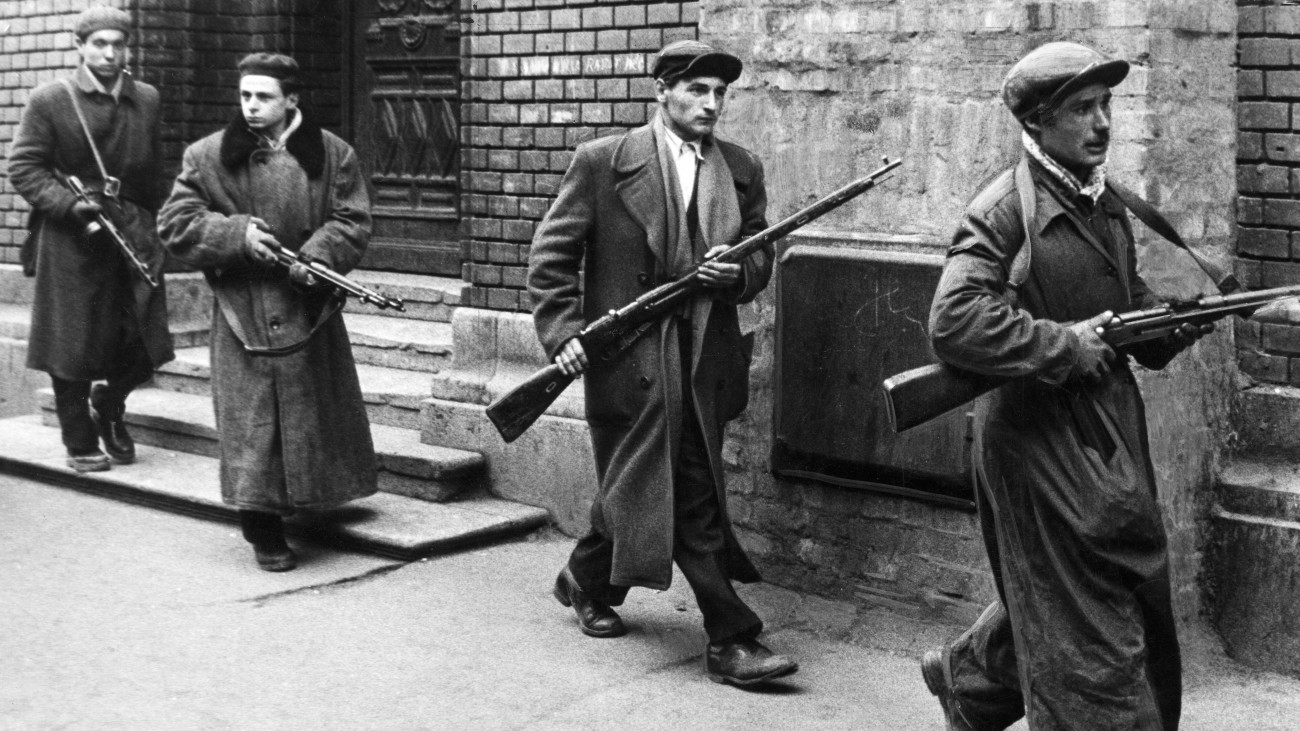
{"x":541,"y":76}
{"x":829,"y":87}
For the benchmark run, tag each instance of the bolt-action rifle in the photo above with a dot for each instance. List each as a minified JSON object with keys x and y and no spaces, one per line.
{"x":288,"y":258}
{"x":613,"y":333}
{"x":915,"y":397}
{"x":103,"y":226}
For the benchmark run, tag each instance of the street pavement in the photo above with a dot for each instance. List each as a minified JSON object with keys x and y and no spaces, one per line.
{"x":114,"y":616}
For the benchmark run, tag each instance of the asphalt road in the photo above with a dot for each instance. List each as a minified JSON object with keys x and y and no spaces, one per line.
{"x":121,"y":617}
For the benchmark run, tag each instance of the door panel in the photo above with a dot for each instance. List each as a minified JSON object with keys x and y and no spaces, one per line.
{"x":404,"y":111}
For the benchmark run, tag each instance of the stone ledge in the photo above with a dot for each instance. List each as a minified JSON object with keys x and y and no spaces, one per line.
{"x":384,"y":524}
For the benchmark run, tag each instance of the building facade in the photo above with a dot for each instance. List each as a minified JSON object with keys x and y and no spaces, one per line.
{"x":466,"y":114}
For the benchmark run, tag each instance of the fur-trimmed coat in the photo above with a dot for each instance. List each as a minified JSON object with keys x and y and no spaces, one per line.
{"x":86,"y":293}
{"x":614,"y":216}
{"x":294,"y":431}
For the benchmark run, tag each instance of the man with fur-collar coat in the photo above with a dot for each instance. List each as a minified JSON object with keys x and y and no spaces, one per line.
{"x":294,"y":431}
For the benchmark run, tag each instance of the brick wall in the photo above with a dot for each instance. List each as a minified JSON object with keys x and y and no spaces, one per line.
{"x":1268,"y":178}
{"x":189,"y":54}
{"x":541,"y":76}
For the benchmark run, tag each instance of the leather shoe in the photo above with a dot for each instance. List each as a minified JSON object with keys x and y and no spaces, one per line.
{"x":745,"y":663}
{"x":595,"y":618}
{"x":96,"y":461}
{"x":936,"y":668}
{"x":275,"y":558}
{"x":112,"y":429}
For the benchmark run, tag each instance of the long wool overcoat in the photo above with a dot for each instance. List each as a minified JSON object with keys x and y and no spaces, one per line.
{"x":612,"y":216}
{"x":86,"y":295}
{"x":1079,"y":537}
{"x":294,"y":431}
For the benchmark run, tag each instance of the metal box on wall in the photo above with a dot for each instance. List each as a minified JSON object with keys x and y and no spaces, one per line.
{"x":846,"y":320}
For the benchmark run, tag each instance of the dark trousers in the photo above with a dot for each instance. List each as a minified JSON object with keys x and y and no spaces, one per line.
{"x":698,"y":547}
{"x":71,"y":399}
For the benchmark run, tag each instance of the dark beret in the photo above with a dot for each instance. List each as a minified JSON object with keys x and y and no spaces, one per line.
{"x":1050,"y":73}
{"x":100,"y":18}
{"x":275,"y":65}
{"x":694,"y":58}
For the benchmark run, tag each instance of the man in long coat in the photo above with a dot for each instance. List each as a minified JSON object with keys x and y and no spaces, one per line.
{"x":294,"y":431}
{"x":639,"y":210}
{"x":1083,"y":636}
{"x":93,"y":318}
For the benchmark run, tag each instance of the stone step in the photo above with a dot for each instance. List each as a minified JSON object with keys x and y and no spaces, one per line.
{"x":390,"y":342}
{"x":15,"y":320}
{"x":1261,"y":485}
{"x":426,"y":297}
{"x":14,"y":287}
{"x":385,"y":524}
{"x":1267,"y":419}
{"x":185,"y":422}
{"x":393,"y":396}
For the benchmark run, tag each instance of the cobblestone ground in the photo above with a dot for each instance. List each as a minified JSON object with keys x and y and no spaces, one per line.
{"x":121,"y":617}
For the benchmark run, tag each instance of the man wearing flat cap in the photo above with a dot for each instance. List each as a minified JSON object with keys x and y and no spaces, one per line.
{"x":294,"y":431}
{"x":93,"y":318}
{"x":635,"y":211}
{"x":1083,"y":635}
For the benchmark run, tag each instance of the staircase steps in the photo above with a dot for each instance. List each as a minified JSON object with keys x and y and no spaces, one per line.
{"x":185,"y":423}
{"x":392,"y":395}
{"x":386,"y":524}
{"x":390,"y":342}
{"x":425,"y":297}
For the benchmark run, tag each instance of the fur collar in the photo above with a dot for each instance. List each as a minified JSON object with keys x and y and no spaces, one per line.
{"x":238,"y":142}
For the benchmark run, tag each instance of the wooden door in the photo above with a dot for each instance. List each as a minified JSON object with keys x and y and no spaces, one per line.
{"x":403,"y":100}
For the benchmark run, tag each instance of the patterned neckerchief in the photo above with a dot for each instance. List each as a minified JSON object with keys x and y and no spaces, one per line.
{"x":1096,"y":182}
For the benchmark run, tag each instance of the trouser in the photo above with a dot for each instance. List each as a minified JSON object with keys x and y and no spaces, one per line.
{"x":985,"y":673}
{"x":698,"y":545}
{"x":71,"y":399}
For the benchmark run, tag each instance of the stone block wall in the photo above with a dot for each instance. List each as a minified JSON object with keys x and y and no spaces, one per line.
{"x":829,"y":87}
{"x":540,"y":77}
{"x":1268,"y":177}
{"x":188,"y":53}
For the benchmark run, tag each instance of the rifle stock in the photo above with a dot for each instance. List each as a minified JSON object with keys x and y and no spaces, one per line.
{"x":914,"y":397}
{"x":514,"y":412}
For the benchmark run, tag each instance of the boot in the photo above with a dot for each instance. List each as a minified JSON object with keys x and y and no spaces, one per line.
{"x":266,"y":532}
{"x":109,"y":423}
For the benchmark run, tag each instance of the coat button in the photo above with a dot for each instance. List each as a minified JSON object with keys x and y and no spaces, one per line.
{"x":275,"y":323}
{"x":645,"y":382}
{"x":643,"y":279}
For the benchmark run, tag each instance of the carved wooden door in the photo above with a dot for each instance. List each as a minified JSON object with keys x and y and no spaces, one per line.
{"x":403,"y":120}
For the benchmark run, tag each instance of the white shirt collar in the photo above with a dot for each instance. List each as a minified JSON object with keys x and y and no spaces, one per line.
{"x":676,"y":143}
{"x":115,"y":92}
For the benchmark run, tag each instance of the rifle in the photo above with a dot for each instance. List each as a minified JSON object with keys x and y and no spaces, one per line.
{"x":102,"y":224}
{"x":610,"y":335}
{"x":288,"y":258}
{"x":915,"y":397}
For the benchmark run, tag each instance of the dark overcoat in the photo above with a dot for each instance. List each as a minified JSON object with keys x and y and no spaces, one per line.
{"x":1079,"y":539}
{"x":87,"y":297}
{"x":294,"y":431}
{"x":613,"y":217}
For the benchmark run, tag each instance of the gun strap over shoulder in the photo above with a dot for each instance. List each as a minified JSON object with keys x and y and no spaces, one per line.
{"x":1146,"y":213}
{"x":85,"y":127}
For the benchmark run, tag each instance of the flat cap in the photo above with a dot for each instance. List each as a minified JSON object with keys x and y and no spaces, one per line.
{"x":1053,"y":71}
{"x":275,"y":65}
{"x":101,"y":17}
{"x":694,"y":58}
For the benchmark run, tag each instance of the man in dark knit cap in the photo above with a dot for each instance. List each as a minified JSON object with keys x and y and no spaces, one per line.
{"x":641,"y":209}
{"x":1083,"y":635}
{"x":93,"y":317}
{"x":294,"y":432}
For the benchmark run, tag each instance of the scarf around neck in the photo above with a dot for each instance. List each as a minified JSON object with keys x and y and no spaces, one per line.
{"x":1095,"y":186}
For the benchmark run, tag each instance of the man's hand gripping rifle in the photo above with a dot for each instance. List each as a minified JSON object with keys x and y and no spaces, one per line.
{"x":605,"y":338}
{"x":103,"y":226}
{"x":915,"y":397}
{"x":316,"y":269}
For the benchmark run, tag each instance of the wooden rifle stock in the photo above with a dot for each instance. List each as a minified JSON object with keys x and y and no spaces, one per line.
{"x":916,"y":396}
{"x":613,"y":333}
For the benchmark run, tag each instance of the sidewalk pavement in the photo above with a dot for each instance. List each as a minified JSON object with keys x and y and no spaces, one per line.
{"x":122,"y":617}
